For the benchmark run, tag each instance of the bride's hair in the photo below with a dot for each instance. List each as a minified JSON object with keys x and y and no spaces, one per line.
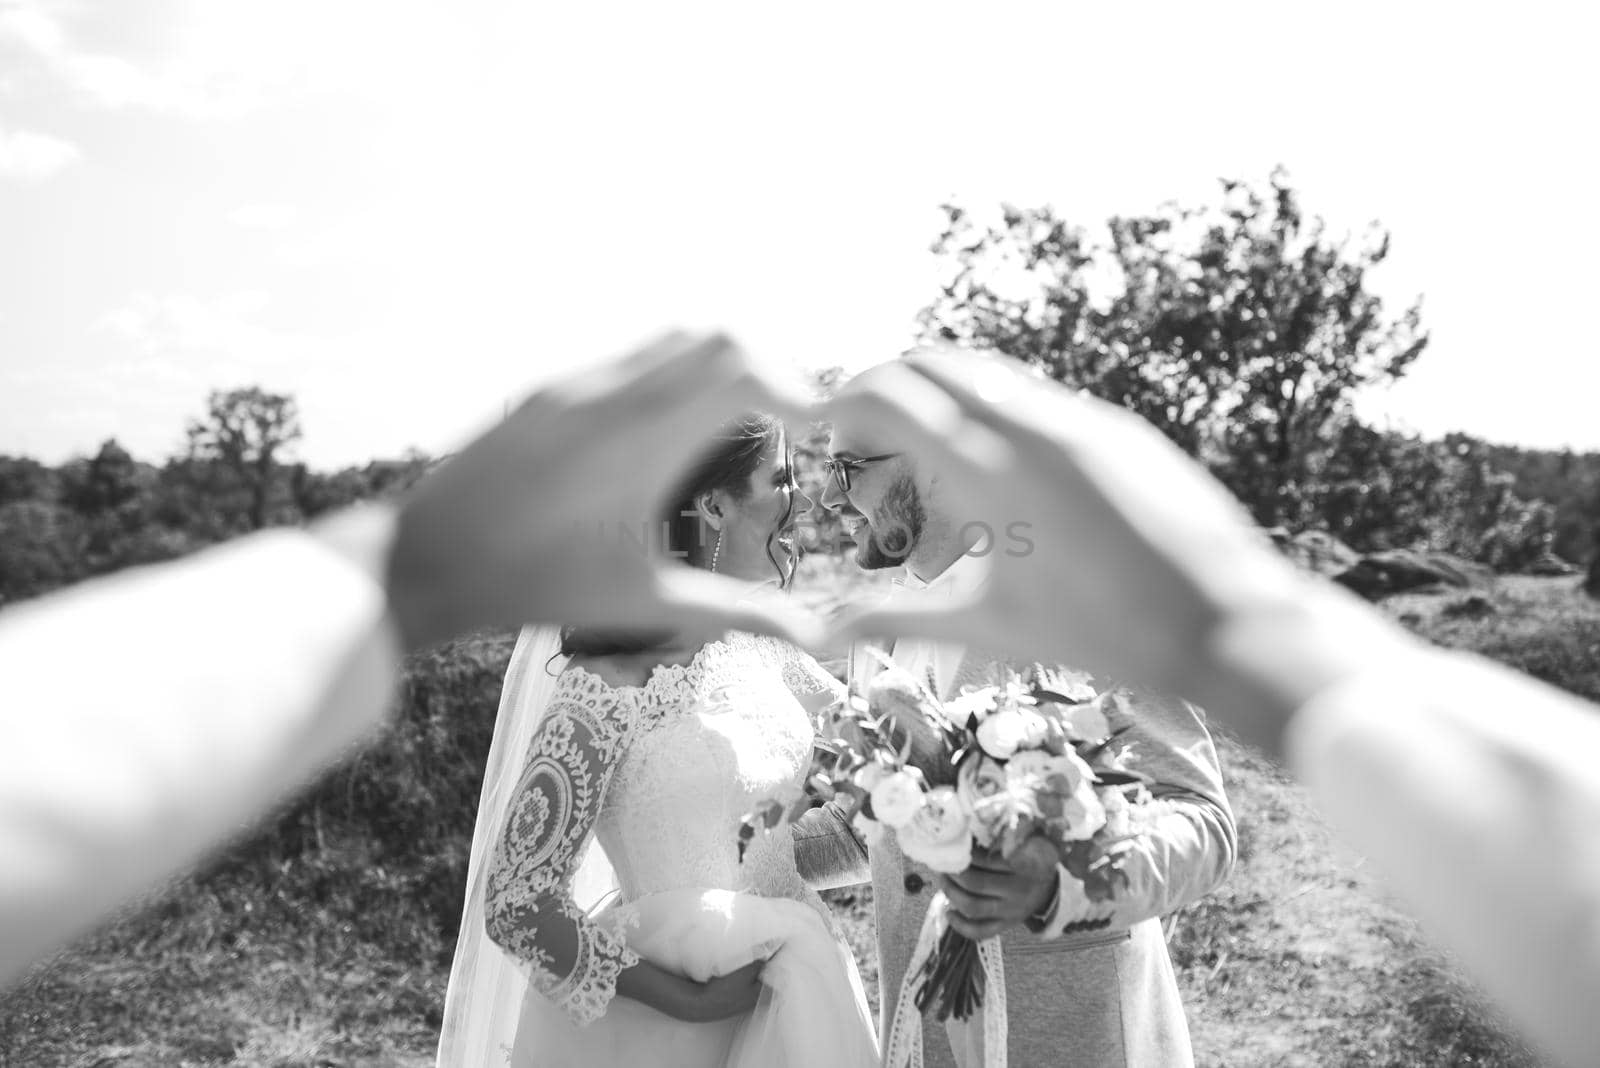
{"x":734,"y":455}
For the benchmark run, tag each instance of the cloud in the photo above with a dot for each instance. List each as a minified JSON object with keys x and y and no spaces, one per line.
{"x":223,"y":59}
{"x":196,"y":78}
{"x":185,"y":324}
{"x":164,"y":341}
{"x":29,"y":156}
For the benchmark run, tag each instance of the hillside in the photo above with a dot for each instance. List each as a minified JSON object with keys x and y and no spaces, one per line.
{"x":326,"y":938}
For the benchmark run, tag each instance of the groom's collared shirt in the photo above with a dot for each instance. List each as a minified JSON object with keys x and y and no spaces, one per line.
{"x":937,"y":662}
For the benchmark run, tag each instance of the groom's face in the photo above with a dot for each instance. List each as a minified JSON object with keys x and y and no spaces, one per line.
{"x":882,"y":510}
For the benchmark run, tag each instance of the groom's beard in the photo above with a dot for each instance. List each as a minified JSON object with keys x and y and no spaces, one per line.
{"x":895,"y":534}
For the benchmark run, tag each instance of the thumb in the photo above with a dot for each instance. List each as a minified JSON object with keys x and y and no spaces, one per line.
{"x":694,"y":600}
{"x":894,"y":621}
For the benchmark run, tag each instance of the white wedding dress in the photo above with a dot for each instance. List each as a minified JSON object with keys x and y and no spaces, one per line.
{"x":660,"y":775}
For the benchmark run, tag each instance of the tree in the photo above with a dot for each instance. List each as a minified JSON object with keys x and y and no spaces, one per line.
{"x":115,"y":495}
{"x":110,"y":481}
{"x":1382,"y":490}
{"x":41,"y":548}
{"x":25,"y":479}
{"x":1240,"y":329}
{"x":245,"y":432}
{"x":316,"y":493}
{"x":1591,"y":581}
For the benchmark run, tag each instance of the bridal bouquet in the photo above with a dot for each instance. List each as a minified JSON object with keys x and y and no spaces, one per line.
{"x":1032,"y":753}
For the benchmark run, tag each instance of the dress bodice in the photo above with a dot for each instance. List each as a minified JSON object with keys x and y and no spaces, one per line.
{"x":714,"y":737}
{"x":661,"y":775}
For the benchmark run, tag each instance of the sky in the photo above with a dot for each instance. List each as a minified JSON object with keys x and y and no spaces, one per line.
{"x":409,"y":214}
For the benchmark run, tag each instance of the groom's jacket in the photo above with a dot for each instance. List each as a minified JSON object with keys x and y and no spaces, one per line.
{"x":1102,"y":993}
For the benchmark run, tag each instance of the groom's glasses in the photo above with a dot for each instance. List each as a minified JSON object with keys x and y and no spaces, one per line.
{"x":841,"y":466}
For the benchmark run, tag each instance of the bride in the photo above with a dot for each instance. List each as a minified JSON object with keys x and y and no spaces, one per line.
{"x":609,"y":919}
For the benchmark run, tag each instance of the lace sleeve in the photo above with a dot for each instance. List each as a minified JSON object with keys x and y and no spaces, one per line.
{"x":803,"y":675}
{"x":528,"y":908}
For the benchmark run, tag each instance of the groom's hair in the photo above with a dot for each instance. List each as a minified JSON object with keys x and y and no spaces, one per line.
{"x":726,"y":465}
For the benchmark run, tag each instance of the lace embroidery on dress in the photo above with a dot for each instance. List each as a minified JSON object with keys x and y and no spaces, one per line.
{"x":662,"y":772}
{"x":801,"y":672}
{"x":714,"y":736}
{"x":529,"y":911}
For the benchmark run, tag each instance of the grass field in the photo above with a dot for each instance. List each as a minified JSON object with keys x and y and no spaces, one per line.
{"x":337,"y":954}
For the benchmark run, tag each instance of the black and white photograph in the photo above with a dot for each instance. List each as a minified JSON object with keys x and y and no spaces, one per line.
{"x":880,"y":535}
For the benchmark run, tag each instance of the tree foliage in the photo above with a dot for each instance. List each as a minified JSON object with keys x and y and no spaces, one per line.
{"x":243,"y":436}
{"x":41,"y":547}
{"x":1239,"y":329}
{"x":108,"y":511}
{"x":1382,"y":490}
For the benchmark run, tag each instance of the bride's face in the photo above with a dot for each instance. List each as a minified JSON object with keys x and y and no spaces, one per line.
{"x":763,"y":520}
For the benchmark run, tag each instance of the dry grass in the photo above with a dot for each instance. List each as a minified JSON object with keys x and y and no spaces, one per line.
{"x":338,"y":956}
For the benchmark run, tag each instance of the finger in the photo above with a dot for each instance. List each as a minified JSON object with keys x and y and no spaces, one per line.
{"x":659,"y":351}
{"x":994,"y":391}
{"x":953,"y":623}
{"x":979,"y":877}
{"x":1113,"y":440}
{"x":660,"y":364}
{"x":979,"y":884}
{"x":712,"y":376}
{"x":911,"y":414}
{"x":973,"y":906}
{"x":641,"y":369}
{"x":991,"y":861}
{"x":693,"y":599}
{"x":977,"y":930}
{"x":681,"y":418}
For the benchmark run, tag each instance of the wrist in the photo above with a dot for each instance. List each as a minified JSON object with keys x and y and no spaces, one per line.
{"x":418,"y":581}
{"x":1263,"y":661}
{"x":364,"y":537}
{"x":656,"y":987}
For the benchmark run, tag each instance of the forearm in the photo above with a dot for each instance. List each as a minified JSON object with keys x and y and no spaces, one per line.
{"x":1265,"y":659}
{"x":1473,"y":791}
{"x":150,"y":716}
{"x":529,"y":910}
{"x":656,"y":987}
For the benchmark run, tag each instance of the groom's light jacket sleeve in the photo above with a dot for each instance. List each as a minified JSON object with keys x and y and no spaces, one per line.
{"x":1191,"y":847}
{"x":149,"y":716}
{"x":827,"y":851}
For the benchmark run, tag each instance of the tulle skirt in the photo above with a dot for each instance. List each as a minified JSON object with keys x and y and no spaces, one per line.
{"x":811,"y":1014}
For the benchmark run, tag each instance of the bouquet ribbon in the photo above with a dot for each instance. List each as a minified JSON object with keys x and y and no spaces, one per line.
{"x":904,"y":1048}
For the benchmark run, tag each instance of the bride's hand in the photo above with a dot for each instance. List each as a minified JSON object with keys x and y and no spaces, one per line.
{"x":540,"y":519}
{"x":683,"y":998}
{"x":728,"y":995}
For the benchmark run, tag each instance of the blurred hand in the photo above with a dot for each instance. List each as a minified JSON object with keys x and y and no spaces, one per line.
{"x":1136,"y":563}
{"x":995,"y":893}
{"x":538,"y":520}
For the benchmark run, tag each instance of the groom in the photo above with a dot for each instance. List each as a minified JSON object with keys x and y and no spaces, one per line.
{"x":1087,"y":984}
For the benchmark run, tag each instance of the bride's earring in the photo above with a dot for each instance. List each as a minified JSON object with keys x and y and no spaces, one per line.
{"x":716,"y":554}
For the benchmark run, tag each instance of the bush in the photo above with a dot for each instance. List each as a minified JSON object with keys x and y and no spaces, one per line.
{"x":392,"y":829}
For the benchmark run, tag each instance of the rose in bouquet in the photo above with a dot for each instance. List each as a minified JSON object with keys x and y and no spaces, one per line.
{"x":1033,"y":753}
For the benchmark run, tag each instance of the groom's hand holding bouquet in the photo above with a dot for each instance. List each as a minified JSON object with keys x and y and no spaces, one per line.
{"x":992,"y":789}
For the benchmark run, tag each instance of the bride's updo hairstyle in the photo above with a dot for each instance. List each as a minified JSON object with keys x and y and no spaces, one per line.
{"x":733,"y":456}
